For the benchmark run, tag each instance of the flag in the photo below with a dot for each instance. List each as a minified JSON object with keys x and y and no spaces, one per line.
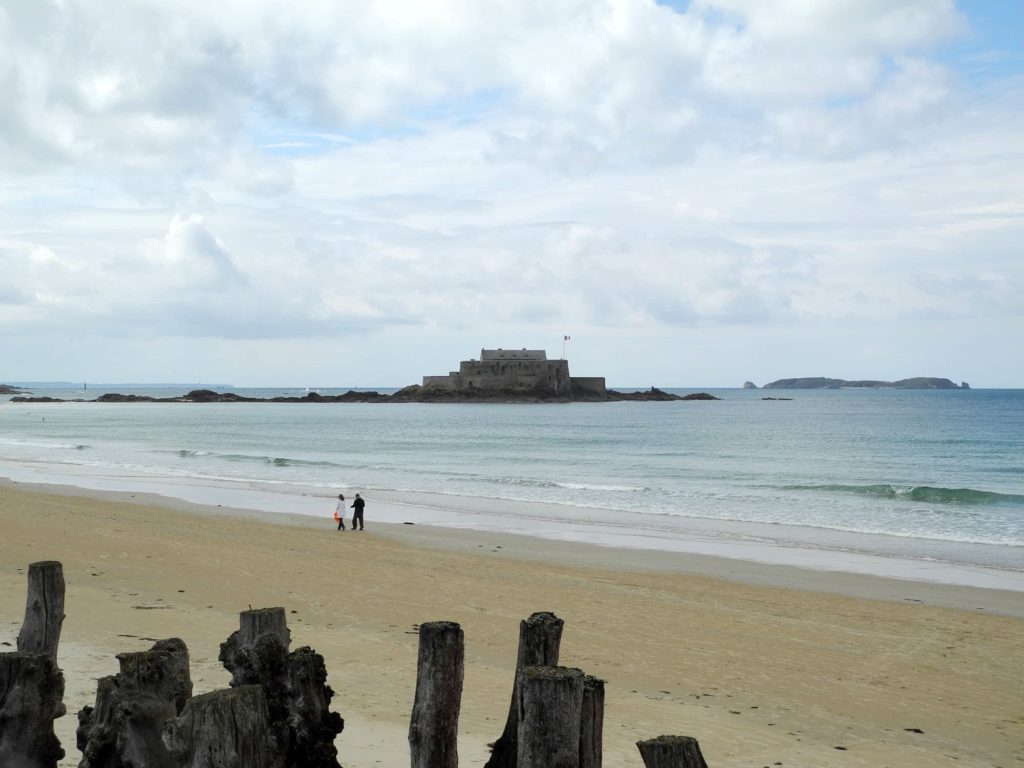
{"x":565,"y":338}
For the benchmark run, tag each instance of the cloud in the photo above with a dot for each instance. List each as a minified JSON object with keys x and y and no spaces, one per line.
{"x":241,"y":171}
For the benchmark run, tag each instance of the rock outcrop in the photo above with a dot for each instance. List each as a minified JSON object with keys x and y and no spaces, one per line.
{"x":411,"y":394}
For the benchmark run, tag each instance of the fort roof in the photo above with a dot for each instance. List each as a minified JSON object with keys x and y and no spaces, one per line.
{"x":512,"y":354}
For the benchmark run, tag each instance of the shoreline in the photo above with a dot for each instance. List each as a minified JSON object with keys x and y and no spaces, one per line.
{"x":838,"y":580}
{"x":758,"y":669}
{"x":813,"y":552}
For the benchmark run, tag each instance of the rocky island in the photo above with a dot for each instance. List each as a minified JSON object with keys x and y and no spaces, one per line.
{"x":822,"y":382}
{"x":499,"y":376}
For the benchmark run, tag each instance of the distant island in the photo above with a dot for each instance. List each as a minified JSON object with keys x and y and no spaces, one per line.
{"x":822,"y":382}
{"x":6,"y":389}
{"x":499,"y":376}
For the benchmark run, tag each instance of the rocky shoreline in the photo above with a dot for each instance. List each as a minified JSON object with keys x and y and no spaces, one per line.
{"x":411,"y":394}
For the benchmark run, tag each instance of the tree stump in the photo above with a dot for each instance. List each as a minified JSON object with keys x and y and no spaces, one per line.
{"x":31,"y":698}
{"x":671,"y":752}
{"x":222,"y":729}
{"x":434,"y":726}
{"x":44,"y":609}
{"x":539,"y":639}
{"x":592,"y":723}
{"x":124,"y":729}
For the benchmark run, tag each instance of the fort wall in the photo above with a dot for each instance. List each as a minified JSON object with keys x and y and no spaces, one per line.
{"x":524,"y":370}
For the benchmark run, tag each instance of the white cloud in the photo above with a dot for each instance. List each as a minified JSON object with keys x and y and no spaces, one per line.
{"x":240,"y":170}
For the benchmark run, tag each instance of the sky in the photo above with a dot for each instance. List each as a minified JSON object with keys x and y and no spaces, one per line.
{"x":343,"y":193}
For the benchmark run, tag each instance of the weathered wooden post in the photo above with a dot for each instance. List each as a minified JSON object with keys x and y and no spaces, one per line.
{"x":44,"y":609}
{"x":31,"y":698}
{"x":671,"y":752}
{"x":592,"y":723}
{"x":222,"y":729}
{"x":31,"y":683}
{"x":256,"y":655}
{"x":125,"y":726}
{"x":550,"y":701}
{"x":539,"y":639}
{"x":434,"y":726}
{"x":294,"y":684}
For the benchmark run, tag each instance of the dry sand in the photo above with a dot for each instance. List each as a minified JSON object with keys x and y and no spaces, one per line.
{"x":764,"y":665}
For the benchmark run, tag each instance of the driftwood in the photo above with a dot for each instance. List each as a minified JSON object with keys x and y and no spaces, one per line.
{"x":592,"y":723}
{"x":31,"y":698}
{"x":125,"y":726}
{"x":671,"y":752}
{"x":434,"y":726}
{"x":300,"y":725}
{"x":550,"y":701}
{"x":539,"y":639}
{"x":31,"y":683}
{"x":223,"y":729}
{"x":44,"y":609}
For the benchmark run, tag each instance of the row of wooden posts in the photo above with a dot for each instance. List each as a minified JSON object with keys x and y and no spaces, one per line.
{"x":276,"y":714}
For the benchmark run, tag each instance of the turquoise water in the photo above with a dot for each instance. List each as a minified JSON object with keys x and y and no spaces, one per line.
{"x":925,"y":473}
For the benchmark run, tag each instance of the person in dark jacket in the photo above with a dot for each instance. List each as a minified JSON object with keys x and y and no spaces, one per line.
{"x":357,"y":516}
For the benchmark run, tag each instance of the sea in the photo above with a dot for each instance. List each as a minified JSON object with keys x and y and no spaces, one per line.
{"x":913,"y":483}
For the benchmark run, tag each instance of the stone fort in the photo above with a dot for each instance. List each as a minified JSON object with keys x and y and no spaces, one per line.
{"x":517,"y":370}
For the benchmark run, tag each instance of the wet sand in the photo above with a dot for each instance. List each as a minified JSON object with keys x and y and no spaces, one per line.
{"x":763,"y":664}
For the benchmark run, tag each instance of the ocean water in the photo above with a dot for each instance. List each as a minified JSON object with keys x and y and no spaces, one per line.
{"x":927,"y":474}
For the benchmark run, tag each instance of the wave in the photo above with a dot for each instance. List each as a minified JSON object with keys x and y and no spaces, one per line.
{"x":530,"y":482}
{"x":920,"y":493}
{"x":276,"y":461}
{"x":17,"y":443}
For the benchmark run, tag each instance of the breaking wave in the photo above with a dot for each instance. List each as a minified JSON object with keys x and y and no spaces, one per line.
{"x":920,"y":493}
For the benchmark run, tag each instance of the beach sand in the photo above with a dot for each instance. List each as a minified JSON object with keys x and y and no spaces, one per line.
{"x":765,"y":665}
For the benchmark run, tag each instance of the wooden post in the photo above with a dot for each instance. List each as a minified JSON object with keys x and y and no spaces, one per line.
{"x":257,"y":655}
{"x":539,"y":639}
{"x":550,"y":701}
{"x":294,"y":685}
{"x":132,"y":707}
{"x":44,"y":609}
{"x":31,"y":698}
{"x":592,"y":723}
{"x":671,"y":752}
{"x":434,"y":726}
{"x":223,"y":729}
{"x":254,"y":624}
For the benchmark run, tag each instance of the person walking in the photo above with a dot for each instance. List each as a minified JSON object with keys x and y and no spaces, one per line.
{"x":339,"y":512}
{"x":357,"y":516}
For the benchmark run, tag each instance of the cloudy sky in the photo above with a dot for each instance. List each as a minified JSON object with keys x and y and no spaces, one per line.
{"x":346,"y":193}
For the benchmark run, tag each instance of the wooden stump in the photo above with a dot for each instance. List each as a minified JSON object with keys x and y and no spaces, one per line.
{"x":294,"y":685}
{"x":44,"y":609}
{"x":550,"y":702}
{"x":223,"y":729}
{"x":671,"y":752}
{"x":31,"y":698}
{"x":592,"y":723}
{"x":539,"y":639}
{"x":434,"y":726}
{"x":132,"y":707}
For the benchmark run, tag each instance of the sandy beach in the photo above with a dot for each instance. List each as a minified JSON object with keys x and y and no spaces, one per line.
{"x":765,"y":665}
